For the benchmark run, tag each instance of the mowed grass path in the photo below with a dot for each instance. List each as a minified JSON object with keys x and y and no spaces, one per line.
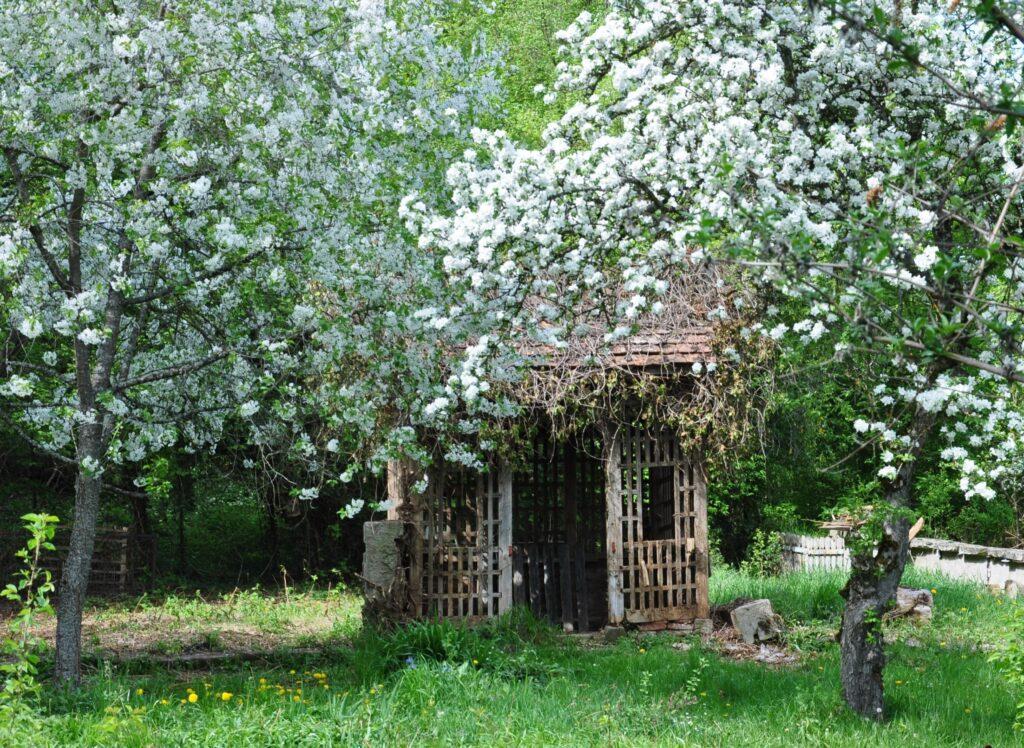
{"x":519,"y":683}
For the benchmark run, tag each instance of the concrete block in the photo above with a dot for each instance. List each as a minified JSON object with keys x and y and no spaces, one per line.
{"x":756,"y":622}
{"x":381,"y":559}
{"x":613,"y":633}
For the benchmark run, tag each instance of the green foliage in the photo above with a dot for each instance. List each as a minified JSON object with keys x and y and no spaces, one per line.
{"x":31,"y":592}
{"x":864,"y":540}
{"x":948,"y":515}
{"x":1009,"y":658}
{"x":511,"y":646}
{"x":523,"y":31}
{"x":764,"y":555}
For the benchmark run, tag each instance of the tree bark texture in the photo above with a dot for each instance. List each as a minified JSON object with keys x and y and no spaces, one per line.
{"x":869,"y":592}
{"x":875,"y":575}
{"x":74,"y":578}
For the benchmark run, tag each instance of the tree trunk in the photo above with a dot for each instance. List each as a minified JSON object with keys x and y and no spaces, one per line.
{"x":870,"y":591}
{"x":75,"y":574}
{"x":184,"y":499}
{"x":875,"y":574}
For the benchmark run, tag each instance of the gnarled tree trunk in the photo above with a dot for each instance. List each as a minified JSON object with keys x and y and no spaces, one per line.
{"x":875,"y":575}
{"x":869,"y":592}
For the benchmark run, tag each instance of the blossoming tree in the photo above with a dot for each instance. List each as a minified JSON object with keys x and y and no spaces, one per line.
{"x":862,"y":158}
{"x":179,"y":182}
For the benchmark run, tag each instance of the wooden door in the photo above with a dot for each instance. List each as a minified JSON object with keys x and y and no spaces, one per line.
{"x":657,"y":529}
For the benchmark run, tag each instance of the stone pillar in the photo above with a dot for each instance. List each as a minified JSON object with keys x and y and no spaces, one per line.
{"x":384,"y":573}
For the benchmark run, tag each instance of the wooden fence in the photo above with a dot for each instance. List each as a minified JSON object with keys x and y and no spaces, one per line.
{"x":123,"y":561}
{"x":995,"y":567}
{"x":813,"y":552}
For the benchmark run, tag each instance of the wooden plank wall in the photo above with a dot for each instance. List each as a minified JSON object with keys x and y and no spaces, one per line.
{"x":549,"y":578}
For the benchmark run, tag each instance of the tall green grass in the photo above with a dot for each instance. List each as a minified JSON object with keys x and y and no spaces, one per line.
{"x":518,"y":682}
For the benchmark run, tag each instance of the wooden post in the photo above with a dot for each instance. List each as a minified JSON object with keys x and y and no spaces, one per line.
{"x":700,"y":531}
{"x":504,"y":537}
{"x":401,"y":476}
{"x":406,"y":507}
{"x":122,"y":576}
{"x":613,"y":521}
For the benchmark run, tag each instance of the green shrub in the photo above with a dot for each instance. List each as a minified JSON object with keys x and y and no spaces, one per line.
{"x":31,"y":592}
{"x":764,"y":556}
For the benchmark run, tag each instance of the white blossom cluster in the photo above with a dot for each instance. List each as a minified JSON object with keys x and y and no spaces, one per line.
{"x":233,"y":170}
{"x":855,"y":169}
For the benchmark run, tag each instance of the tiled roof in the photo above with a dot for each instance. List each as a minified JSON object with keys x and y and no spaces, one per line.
{"x":649,"y":348}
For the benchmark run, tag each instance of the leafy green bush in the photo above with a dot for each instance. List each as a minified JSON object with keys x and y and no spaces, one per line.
{"x":764,"y":556}
{"x":30,"y":591}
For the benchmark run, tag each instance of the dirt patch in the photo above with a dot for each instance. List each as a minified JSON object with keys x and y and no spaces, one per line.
{"x":726,"y":640}
{"x":193,"y":625}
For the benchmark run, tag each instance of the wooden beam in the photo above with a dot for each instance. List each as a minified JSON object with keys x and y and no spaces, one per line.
{"x":700,"y":532}
{"x":504,"y":536}
{"x":613,"y":521}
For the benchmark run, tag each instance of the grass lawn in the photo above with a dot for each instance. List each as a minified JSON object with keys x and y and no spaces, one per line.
{"x":516,"y":682}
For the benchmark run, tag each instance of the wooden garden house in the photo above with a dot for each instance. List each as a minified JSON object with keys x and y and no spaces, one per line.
{"x":605,"y":526}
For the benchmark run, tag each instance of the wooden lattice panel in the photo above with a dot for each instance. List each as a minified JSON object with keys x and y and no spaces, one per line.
{"x":461,"y":557}
{"x":664,"y":531}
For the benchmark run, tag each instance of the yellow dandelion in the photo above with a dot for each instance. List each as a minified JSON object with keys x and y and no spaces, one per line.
{"x":476,"y":662}
{"x":263,"y":681}
{"x":967,"y":710}
{"x":226,"y":696}
{"x":193,"y":697}
{"x":934,"y":591}
{"x":296,"y":698}
{"x":642,"y":650}
{"x":139,"y":692}
{"x":164,"y":702}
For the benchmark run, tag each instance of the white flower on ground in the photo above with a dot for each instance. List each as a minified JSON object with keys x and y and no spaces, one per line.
{"x":438,"y":405}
